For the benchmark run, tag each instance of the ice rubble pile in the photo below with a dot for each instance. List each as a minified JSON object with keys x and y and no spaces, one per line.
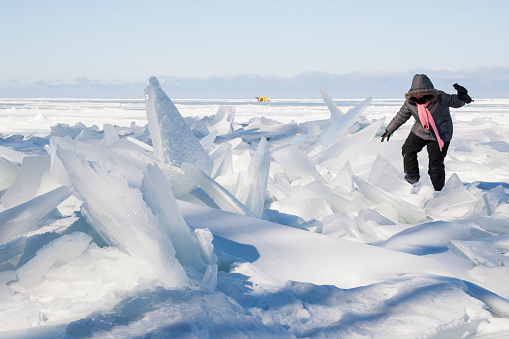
{"x":111,"y":194}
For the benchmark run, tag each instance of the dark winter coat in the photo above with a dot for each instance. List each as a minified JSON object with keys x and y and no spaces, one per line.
{"x":438,"y":107}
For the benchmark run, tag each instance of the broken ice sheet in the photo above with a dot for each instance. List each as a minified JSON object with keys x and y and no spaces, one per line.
{"x":478,"y":252}
{"x":339,"y":128}
{"x":494,"y":198}
{"x":407,"y":213}
{"x":8,"y":172}
{"x":336,"y":156}
{"x":384,"y":176}
{"x":23,"y":218}
{"x":63,"y":249}
{"x":224,"y":199}
{"x":28,"y":180}
{"x":296,"y":162}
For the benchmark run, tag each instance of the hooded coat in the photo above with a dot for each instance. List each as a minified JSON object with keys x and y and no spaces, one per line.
{"x":438,"y":107}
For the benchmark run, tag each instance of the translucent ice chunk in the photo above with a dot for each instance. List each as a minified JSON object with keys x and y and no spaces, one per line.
{"x":204,"y":239}
{"x":452,"y":185}
{"x":345,"y":150}
{"x":339,"y":128}
{"x":296,"y":162}
{"x":209,"y":281}
{"x":254,"y":185}
{"x":223,"y":160}
{"x":331,"y":105}
{"x":384,"y":176}
{"x":28,"y":180}
{"x":172,"y":139}
{"x":114,"y":206}
{"x":241,"y":163}
{"x":369,"y":229}
{"x":23,"y":218}
{"x":381,"y":165}
{"x":407,"y":213}
{"x":11,"y":253}
{"x":343,"y":179}
{"x":225,"y":200}
{"x":11,"y":155}
{"x":494,"y":198}
{"x":338,"y":202}
{"x":222,"y":121}
{"x":58,"y":251}
{"x":456,"y":205}
{"x":89,"y":135}
{"x":110,"y":134}
{"x":208,"y":140}
{"x":8,"y":172}
{"x":478,"y":252}
{"x":500,"y":226}
{"x":159,"y":197}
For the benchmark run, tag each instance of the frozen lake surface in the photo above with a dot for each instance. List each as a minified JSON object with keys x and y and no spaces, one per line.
{"x":280,"y":228}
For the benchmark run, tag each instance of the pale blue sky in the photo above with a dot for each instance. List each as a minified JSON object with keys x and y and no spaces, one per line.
{"x":102,"y":44}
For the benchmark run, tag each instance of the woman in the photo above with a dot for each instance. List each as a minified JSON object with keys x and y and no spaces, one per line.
{"x":433,"y":127}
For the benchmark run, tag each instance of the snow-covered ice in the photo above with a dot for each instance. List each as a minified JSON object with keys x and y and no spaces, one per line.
{"x":233,"y":218}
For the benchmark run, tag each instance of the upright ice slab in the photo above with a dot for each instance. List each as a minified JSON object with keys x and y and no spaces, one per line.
{"x":296,"y":162}
{"x":28,"y":180}
{"x":494,"y":198}
{"x":384,"y":176}
{"x":8,"y":172}
{"x":114,"y":206}
{"x":334,"y":110}
{"x":172,"y":139}
{"x":252,"y":187}
{"x":159,"y":197}
{"x":222,"y":122}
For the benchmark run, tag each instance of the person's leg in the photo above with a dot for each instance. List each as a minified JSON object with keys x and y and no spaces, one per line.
{"x":436,"y":167}
{"x":413,"y":145}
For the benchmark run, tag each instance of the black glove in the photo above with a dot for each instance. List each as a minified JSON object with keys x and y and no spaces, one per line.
{"x":386,"y":135}
{"x":462,"y":93}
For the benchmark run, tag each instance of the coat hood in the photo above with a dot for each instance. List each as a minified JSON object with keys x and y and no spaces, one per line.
{"x":421,"y":85}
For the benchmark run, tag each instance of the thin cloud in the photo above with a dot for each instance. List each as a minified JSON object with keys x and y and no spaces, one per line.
{"x":484,"y":82}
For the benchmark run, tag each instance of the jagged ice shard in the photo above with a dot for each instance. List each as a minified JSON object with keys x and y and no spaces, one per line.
{"x":334,"y":110}
{"x":28,"y":180}
{"x":406,"y":212}
{"x":339,"y":128}
{"x":251,"y":188}
{"x":224,"y":199}
{"x":159,"y":197}
{"x":21,"y":219}
{"x":172,"y":139}
{"x":114,"y":206}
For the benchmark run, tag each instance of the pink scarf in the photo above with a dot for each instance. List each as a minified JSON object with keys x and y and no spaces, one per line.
{"x":427,"y":119}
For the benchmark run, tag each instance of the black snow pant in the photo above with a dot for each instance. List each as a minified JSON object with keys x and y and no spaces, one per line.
{"x":436,"y":169}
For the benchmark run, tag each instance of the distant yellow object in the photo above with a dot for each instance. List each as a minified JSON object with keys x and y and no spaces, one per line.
{"x":263,"y":99}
